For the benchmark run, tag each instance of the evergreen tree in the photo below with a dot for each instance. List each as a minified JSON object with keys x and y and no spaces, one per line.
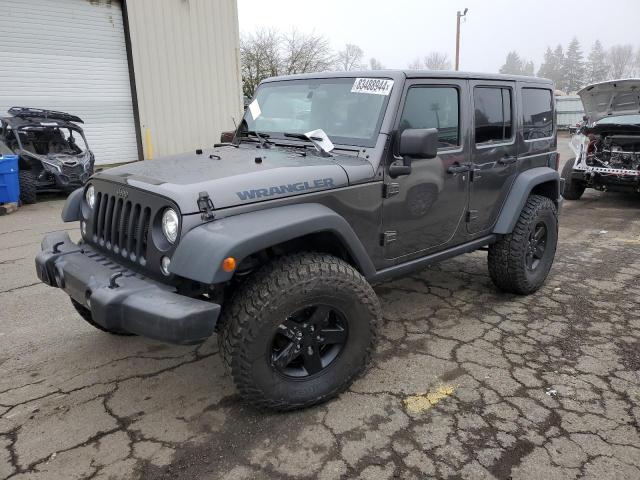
{"x":513,"y":64}
{"x":559,"y":74}
{"x":548,"y":67}
{"x":597,"y":69}
{"x":574,"y":68}
{"x":528,"y":69}
{"x":553,"y":67}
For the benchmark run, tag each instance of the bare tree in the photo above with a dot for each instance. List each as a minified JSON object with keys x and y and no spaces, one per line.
{"x":437,"y":61}
{"x":259,"y":57}
{"x":268,"y":53}
{"x":620,"y":60}
{"x":350,"y":58}
{"x":375,"y":64}
{"x":416,"y":64}
{"x":305,"y":53}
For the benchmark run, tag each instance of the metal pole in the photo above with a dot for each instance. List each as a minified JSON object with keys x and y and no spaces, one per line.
{"x":458,"y":15}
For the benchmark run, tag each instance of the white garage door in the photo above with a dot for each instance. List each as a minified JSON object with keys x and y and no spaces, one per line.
{"x":70,"y":55}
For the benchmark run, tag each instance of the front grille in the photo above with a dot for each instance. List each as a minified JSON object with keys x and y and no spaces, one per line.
{"x":73,"y":172}
{"x":121,"y":226}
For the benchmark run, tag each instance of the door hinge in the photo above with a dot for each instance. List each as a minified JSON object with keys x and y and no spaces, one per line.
{"x":472,"y":215}
{"x":390,"y":189}
{"x":474,"y":174}
{"x":387,"y":237}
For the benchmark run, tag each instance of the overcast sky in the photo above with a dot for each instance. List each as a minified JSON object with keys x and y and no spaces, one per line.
{"x":398,"y":31}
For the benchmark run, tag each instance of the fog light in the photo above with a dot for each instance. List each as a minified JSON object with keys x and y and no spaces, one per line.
{"x":164,"y":265}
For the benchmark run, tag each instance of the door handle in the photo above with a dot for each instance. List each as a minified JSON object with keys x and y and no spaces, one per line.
{"x":457,"y":168}
{"x":507,"y":160}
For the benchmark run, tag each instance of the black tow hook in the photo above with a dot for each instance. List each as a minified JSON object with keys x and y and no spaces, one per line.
{"x":112,"y":280}
{"x":53,"y":277}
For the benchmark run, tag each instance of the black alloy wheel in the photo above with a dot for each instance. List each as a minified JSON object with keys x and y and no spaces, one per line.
{"x":308,"y":341}
{"x":536,"y":246}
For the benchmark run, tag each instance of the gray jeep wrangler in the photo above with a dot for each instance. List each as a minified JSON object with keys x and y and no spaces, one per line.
{"x":332,"y":182}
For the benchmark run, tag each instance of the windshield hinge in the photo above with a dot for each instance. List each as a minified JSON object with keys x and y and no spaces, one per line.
{"x":390,"y":189}
{"x":205,"y":206}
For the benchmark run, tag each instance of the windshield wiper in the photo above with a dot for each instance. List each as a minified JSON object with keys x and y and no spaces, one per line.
{"x":302,"y":136}
{"x":261,"y":137}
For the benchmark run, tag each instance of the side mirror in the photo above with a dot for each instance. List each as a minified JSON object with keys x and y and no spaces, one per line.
{"x":419,"y":143}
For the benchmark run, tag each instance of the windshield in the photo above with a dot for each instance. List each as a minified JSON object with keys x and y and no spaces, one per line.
{"x":348,"y":114}
{"x":620,"y":120}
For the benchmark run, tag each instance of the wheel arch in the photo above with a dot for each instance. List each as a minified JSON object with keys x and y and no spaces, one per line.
{"x":542,"y":181}
{"x":310,"y":226}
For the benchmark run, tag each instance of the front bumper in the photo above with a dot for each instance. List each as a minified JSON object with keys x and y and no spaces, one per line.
{"x":120,"y":298}
{"x":64,"y":180}
{"x":609,"y":179}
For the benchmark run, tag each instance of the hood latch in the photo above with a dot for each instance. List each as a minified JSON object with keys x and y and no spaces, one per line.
{"x":205,"y":206}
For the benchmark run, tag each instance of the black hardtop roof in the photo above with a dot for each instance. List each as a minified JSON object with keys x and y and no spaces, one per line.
{"x":34,"y":117}
{"x":399,"y":75}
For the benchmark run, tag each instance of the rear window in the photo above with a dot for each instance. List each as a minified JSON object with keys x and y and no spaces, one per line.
{"x":537,"y":109}
{"x":493,"y":118}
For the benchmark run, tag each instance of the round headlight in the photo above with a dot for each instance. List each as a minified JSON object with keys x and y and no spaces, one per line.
{"x":170,"y":225}
{"x":90,"y":196}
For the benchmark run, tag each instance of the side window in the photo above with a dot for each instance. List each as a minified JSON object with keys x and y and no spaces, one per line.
{"x":433,"y":107}
{"x":493,"y":114}
{"x":537,"y":108}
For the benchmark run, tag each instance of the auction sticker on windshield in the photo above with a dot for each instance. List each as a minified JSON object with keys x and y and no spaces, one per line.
{"x":375,"y":86}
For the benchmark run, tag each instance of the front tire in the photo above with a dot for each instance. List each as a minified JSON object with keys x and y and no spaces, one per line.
{"x":573,"y":189}
{"x":28,"y":186}
{"x":299,"y":331}
{"x":520,"y":261}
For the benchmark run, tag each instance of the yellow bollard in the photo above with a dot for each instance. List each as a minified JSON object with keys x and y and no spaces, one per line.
{"x":148,"y":144}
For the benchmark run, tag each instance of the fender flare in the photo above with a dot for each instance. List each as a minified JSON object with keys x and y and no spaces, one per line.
{"x":520,"y":191}
{"x":71,"y":212}
{"x":200,"y":253}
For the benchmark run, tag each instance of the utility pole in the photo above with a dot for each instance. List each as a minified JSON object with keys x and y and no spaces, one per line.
{"x":458,"y":17}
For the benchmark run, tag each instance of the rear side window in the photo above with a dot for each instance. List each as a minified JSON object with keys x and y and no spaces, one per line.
{"x":493,"y":114}
{"x":537,"y":108}
{"x":433,"y":107}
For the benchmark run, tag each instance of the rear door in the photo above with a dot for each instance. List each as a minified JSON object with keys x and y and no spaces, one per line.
{"x":493,"y":151}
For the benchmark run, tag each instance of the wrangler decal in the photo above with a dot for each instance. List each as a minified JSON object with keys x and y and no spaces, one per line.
{"x":282,"y":189}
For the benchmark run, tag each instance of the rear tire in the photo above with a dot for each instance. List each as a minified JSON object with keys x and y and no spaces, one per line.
{"x":85,"y":313}
{"x":520,"y":261}
{"x":28,"y":186}
{"x":299,"y":331}
{"x":573,"y":189}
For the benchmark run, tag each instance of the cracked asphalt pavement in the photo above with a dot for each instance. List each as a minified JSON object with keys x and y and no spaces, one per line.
{"x":467,"y":382}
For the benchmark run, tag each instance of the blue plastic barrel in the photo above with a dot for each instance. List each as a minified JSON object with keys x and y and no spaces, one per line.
{"x":9,"y":179}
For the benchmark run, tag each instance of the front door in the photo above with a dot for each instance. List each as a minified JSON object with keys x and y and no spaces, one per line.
{"x":494,"y":151}
{"x":423,"y":210}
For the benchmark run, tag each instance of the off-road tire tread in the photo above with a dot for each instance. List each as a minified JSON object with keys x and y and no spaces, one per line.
{"x":85,"y":313}
{"x":504,"y":258}
{"x":28,"y":186}
{"x":573,"y":189}
{"x":241,"y":318}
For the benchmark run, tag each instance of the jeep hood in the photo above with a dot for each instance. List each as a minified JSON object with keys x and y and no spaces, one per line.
{"x":238,"y":176}
{"x":615,"y":97}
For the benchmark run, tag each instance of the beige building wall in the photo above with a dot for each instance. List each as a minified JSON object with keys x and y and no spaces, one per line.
{"x":186,"y":61}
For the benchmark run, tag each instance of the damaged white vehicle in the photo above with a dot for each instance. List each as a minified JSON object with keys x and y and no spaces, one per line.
{"x":607,"y":147}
